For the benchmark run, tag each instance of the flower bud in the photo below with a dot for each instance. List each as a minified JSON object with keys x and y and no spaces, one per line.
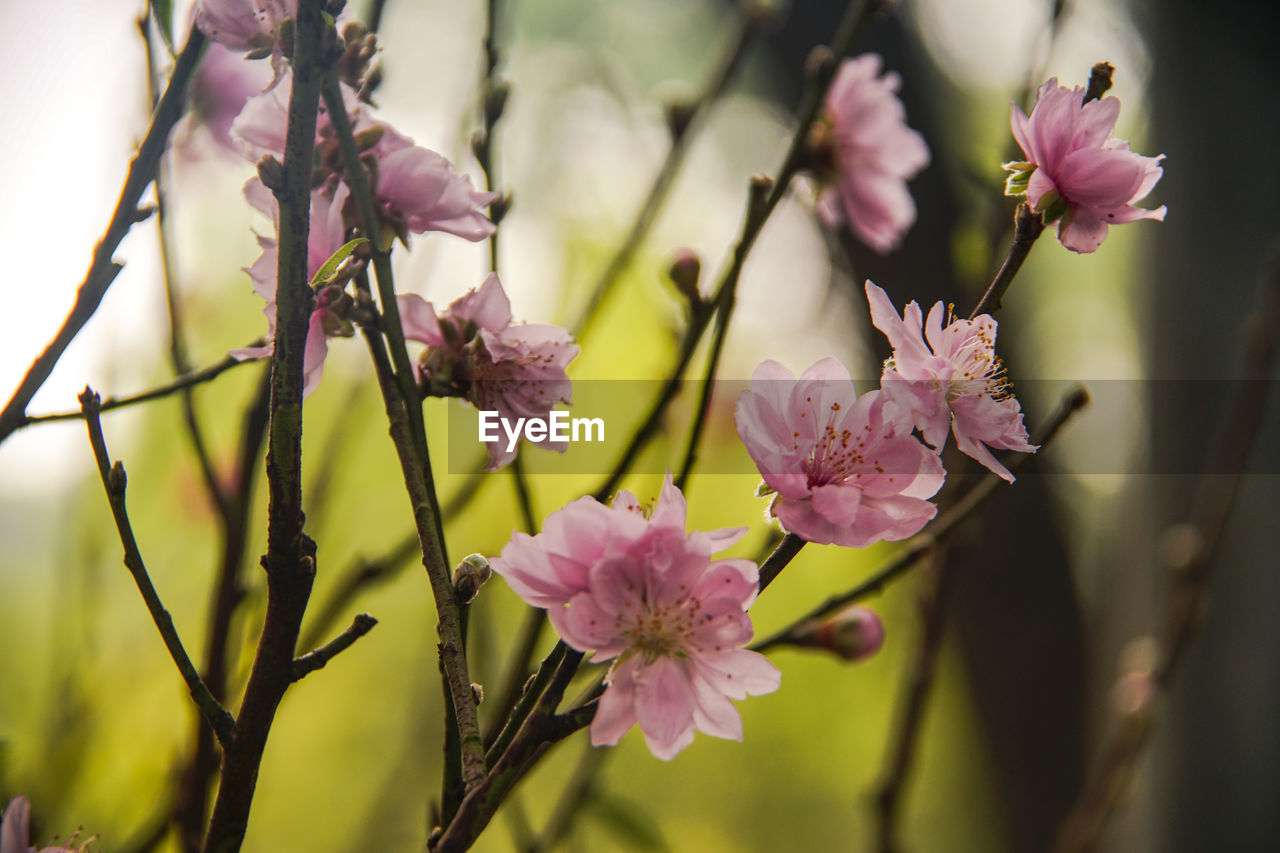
{"x":854,"y":633}
{"x":684,"y":272}
{"x":470,"y":575}
{"x":117,"y":480}
{"x":271,"y":172}
{"x":477,"y":692}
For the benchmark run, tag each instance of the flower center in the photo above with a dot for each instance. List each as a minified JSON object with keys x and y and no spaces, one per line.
{"x":663,"y":631}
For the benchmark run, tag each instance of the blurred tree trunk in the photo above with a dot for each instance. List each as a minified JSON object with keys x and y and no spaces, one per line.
{"x":1216,"y":768}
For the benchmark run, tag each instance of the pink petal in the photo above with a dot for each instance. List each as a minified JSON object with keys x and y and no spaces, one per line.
{"x":418,"y":320}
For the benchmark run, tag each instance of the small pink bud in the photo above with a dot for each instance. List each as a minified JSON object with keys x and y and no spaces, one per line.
{"x":854,"y":633}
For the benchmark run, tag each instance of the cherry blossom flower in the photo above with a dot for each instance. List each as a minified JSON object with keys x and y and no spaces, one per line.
{"x":261,"y":125}
{"x":644,"y":594}
{"x":244,"y":25}
{"x":949,"y":378}
{"x":1074,"y":173}
{"x":329,"y":315}
{"x":846,"y":469}
{"x":476,"y":352}
{"x":223,"y":83}
{"x":420,"y":190}
{"x":415,"y":190}
{"x":869,"y":154}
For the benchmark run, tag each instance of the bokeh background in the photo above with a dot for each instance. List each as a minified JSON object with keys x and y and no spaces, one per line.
{"x":1056,"y":578}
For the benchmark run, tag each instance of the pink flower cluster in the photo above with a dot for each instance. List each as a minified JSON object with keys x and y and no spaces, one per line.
{"x":949,"y":378}
{"x":869,"y":154}
{"x":1074,"y":172}
{"x":475,"y":351}
{"x":415,"y":190}
{"x":847,"y":469}
{"x":643,"y":593}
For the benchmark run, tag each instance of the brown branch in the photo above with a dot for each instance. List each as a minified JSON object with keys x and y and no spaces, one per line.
{"x":204,"y":374}
{"x":114,"y":482}
{"x":311,"y":661}
{"x":1027,"y":227}
{"x":933,"y":605}
{"x":290,"y":559}
{"x":103,"y":270}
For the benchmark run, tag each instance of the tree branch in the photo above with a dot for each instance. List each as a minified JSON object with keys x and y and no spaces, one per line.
{"x":204,"y":374}
{"x":103,"y":270}
{"x":290,"y":559}
{"x":311,"y":661}
{"x":114,"y":482}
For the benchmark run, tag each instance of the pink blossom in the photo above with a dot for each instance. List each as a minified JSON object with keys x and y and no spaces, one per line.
{"x":420,"y":189}
{"x":847,"y":470}
{"x":475,"y":351}
{"x":641,"y":592}
{"x":261,"y":126}
{"x":244,"y":25}
{"x":871,"y":152}
{"x":223,"y":83}
{"x":1075,"y":171}
{"x":328,"y":317}
{"x":953,"y":381}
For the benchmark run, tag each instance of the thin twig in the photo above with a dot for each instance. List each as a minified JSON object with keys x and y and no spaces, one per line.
{"x":114,"y":482}
{"x":290,"y":558}
{"x":191,"y":808}
{"x":933,"y":605}
{"x":1201,"y":538}
{"x":1027,"y":226}
{"x":103,"y":270}
{"x":493,"y":99}
{"x":782,"y":555}
{"x":178,"y":357}
{"x":204,"y":374}
{"x":311,"y":661}
{"x":403,"y":406}
{"x":763,"y":198}
{"x":357,"y":178}
{"x":936,"y":532}
{"x":686,"y":120}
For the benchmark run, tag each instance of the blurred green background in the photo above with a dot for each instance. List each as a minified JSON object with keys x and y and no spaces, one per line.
{"x":1058,"y":575}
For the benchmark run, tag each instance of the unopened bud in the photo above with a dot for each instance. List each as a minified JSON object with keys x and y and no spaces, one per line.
{"x":116,"y":479}
{"x":684,"y":272}
{"x":1099,"y":81}
{"x":271,"y":173}
{"x":477,"y":692}
{"x":854,"y":633}
{"x":470,"y":575}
